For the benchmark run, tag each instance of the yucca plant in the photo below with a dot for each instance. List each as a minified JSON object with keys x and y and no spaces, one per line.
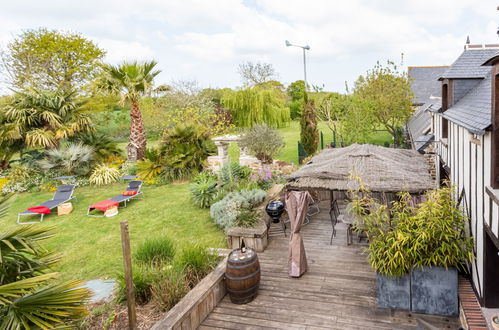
{"x":103,"y":174}
{"x":27,"y":300}
{"x":204,"y":191}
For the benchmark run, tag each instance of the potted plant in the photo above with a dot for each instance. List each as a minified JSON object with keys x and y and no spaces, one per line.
{"x":416,"y":251}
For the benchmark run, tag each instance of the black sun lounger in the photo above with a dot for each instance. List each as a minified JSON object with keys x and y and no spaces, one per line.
{"x":132,"y":186}
{"x":63,"y":194}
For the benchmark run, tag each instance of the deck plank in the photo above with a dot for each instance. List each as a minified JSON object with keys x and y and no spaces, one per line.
{"x":338,"y":291}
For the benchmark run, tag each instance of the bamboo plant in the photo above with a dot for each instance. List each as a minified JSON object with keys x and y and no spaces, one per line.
{"x":403,"y":236}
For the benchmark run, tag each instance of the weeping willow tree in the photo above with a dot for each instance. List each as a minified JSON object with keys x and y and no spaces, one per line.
{"x":257,"y":106}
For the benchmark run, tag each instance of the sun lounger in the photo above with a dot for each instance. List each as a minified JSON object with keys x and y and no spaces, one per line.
{"x":63,"y":194}
{"x":133,"y":190}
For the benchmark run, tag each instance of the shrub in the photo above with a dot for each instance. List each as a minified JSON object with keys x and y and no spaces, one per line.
{"x":103,"y":174}
{"x":264,"y":179}
{"x":263,"y":142}
{"x":152,"y":165}
{"x":248,"y":217}
{"x":233,"y":172}
{"x":23,"y":178}
{"x":69,"y":159}
{"x":185,"y":149}
{"x":227,"y":211}
{"x":204,"y":191}
{"x":309,"y":132}
{"x":170,"y":288}
{"x":196,"y":261}
{"x":143,"y":278}
{"x":104,"y":147}
{"x":407,"y":236}
{"x":155,"y":251}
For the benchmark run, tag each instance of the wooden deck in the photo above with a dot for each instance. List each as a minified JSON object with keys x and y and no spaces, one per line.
{"x":337,"y":292}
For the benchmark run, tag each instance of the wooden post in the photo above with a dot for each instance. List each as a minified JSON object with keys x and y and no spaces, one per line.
{"x":127,"y":263}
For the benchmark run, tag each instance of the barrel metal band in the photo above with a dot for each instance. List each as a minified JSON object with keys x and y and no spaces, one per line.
{"x":242,"y":278}
{"x":243,"y":291}
{"x":229,"y":265}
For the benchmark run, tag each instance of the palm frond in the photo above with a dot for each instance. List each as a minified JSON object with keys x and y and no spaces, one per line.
{"x":45,"y":308}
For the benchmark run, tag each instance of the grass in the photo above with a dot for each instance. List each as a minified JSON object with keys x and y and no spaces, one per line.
{"x":291,"y":136}
{"x":91,"y":246}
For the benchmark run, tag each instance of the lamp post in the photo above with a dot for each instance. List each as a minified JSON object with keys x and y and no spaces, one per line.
{"x":304,"y":48}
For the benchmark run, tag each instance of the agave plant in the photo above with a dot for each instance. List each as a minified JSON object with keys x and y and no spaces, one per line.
{"x":70,"y":158}
{"x":26,"y":301}
{"x":104,"y":174}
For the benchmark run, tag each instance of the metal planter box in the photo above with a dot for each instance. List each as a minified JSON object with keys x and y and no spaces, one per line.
{"x":428,"y":290}
{"x":434,"y":290}
{"x":393,"y":292}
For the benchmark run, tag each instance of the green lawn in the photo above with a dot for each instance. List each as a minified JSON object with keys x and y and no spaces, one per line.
{"x":92,"y":246}
{"x":291,"y":136}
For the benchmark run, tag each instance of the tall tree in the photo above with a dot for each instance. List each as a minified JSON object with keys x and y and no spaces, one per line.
{"x":296,"y":92}
{"x":131,"y":81}
{"x":40,"y":118}
{"x":385,"y":94}
{"x":257,"y":105}
{"x":256,"y":73}
{"x":50,"y":59}
{"x":309,"y":132}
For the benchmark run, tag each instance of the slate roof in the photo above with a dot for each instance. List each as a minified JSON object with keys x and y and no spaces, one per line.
{"x":424,"y":82}
{"x":473,"y":110}
{"x":423,"y":141}
{"x":469,"y":64}
{"x":419,"y":124}
{"x":435,"y":107}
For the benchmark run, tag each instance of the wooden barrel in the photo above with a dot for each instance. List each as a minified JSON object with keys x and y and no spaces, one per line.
{"x":242,"y":275}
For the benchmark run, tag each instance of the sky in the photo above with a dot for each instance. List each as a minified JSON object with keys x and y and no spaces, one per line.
{"x":205,"y":41}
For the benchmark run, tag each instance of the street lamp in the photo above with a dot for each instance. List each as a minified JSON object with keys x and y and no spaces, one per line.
{"x":307,"y":47}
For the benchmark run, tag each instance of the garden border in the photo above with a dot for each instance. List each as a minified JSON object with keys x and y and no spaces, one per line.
{"x":190,"y":312}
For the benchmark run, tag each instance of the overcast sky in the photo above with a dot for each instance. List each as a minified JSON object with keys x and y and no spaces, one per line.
{"x":205,"y":40}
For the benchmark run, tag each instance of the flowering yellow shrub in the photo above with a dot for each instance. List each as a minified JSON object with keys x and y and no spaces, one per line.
{"x":3,"y":181}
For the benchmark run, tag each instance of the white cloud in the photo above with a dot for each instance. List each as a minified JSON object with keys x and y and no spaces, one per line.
{"x":118,"y":51}
{"x":207,"y":39}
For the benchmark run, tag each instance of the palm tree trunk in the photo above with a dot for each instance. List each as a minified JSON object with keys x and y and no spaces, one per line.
{"x":138,"y":143}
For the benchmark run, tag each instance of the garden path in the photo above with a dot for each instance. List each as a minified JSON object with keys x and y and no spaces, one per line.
{"x":337,"y":292}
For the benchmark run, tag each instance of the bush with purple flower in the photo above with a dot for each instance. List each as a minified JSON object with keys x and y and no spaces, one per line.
{"x":264,"y":178}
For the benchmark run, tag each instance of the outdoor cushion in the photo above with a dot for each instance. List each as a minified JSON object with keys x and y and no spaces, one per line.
{"x":65,"y":188}
{"x":104,"y":205}
{"x":129,"y":193}
{"x":40,"y":209}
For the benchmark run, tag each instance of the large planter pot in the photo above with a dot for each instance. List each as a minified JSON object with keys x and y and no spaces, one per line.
{"x":428,"y":290}
{"x":434,"y":290}
{"x":393,"y":292}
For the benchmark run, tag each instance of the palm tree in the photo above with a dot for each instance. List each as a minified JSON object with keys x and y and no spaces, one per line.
{"x":40,"y":118}
{"x":131,"y":81}
{"x":27,"y":297}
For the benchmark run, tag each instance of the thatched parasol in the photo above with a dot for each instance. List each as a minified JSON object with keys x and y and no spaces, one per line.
{"x":380,"y":169}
